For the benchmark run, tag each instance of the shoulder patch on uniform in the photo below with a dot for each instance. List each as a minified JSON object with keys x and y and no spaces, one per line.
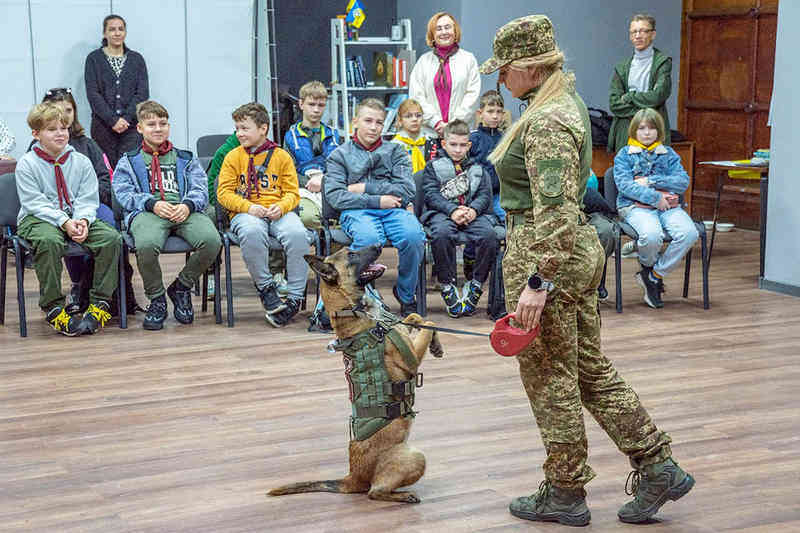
{"x":550,"y":172}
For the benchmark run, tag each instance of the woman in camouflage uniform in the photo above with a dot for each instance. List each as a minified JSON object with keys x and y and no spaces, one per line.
{"x":552,"y":267}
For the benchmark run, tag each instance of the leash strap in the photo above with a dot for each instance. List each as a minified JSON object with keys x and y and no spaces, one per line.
{"x":447,"y":330}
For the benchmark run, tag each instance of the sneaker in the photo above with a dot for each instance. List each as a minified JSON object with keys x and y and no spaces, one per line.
{"x":78,"y":299}
{"x":282,"y":317}
{"x":651,"y":487}
{"x":95,"y":317}
{"x":210,"y":290}
{"x":472,"y":295}
{"x":181,"y":297}
{"x":270,"y":299}
{"x":405,"y":308}
{"x":320,"y":321}
{"x":553,"y":504}
{"x":629,"y":250}
{"x":452,"y":301}
{"x":469,"y":267}
{"x":156,"y":314}
{"x":281,"y":285}
{"x":652,"y":295}
{"x":602,"y":293}
{"x":63,"y":322}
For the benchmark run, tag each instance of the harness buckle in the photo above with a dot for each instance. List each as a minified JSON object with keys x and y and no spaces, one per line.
{"x":378,"y":332}
{"x":419,"y":380}
{"x":393,"y":410}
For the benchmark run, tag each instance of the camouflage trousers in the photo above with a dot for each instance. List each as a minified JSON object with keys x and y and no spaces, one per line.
{"x":564,"y":370}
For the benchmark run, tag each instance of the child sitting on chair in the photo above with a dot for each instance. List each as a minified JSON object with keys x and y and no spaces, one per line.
{"x":650,"y":180}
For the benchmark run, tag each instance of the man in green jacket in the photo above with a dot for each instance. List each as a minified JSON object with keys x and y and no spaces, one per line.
{"x":640,"y":81}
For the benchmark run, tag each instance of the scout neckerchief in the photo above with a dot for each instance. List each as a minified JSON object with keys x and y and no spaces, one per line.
{"x":417,"y":157}
{"x":61,"y":183}
{"x":155,"y":165}
{"x":372,"y":148}
{"x":634,"y":142}
{"x":252,"y":179}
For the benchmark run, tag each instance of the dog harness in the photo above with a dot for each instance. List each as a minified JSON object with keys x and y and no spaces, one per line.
{"x":376,"y":400}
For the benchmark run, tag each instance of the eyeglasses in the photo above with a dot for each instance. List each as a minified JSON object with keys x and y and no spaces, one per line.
{"x":60,"y":91}
{"x":643,"y":32}
{"x":409,"y":116}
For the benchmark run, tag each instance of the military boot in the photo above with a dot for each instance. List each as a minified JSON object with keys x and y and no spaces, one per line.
{"x":651,"y":487}
{"x":553,"y":504}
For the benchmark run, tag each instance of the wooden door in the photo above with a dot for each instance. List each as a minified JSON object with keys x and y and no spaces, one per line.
{"x":727,"y":63}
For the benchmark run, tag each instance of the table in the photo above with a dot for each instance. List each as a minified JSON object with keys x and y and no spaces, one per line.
{"x":723,"y":167}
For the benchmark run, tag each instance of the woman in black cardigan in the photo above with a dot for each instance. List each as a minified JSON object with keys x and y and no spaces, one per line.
{"x":116,"y":80}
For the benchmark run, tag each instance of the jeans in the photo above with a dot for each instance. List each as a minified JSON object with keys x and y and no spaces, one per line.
{"x":651,"y":224}
{"x":375,"y":226}
{"x":252,"y":233}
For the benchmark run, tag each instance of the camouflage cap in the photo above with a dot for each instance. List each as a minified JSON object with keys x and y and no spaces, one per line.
{"x":523,"y":37}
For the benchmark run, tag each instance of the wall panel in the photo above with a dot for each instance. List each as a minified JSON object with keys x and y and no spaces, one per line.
{"x":17,"y":70}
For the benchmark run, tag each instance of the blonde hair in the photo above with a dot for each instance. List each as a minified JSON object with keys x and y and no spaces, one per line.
{"x":372,"y":103}
{"x":552,"y":82}
{"x":43,"y":114}
{"x":430,"y":36}
{"x":650,"y":116}
{"x":313,"y":89}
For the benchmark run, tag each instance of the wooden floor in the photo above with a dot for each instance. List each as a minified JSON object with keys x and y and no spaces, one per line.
{"x":186,"y":429}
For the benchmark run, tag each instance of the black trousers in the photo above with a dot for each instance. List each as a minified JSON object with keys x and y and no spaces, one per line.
{"x":114,"y":144}
{"x":443,"y":235}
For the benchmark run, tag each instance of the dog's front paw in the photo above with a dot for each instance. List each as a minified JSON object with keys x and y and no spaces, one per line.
{"x":412,"y":498}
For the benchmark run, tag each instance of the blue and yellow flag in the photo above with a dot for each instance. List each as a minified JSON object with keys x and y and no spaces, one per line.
{"x":355,"y":13}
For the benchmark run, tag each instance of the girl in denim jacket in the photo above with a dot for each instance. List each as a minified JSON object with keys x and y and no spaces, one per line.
{"x":650,"y":179}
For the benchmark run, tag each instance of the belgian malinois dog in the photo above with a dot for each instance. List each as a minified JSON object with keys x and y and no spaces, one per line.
{"x":384,"y":461}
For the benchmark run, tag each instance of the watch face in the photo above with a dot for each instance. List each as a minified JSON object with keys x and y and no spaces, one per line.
{"x":534,"y":282}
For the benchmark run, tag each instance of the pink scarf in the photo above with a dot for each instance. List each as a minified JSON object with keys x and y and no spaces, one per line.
{"x":443,"y":79}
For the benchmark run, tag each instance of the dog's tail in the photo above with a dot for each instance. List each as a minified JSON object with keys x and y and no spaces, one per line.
{"x":330,"y":485}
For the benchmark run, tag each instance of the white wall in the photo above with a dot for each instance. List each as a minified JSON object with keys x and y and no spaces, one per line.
{"x":782,"y":264}
{"x":592,"y":34}
{"x":199,"y":56}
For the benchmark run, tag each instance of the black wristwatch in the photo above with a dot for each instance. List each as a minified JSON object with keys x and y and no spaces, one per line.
{"x":538,"y":283}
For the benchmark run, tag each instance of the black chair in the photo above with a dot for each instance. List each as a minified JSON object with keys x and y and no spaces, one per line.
{"x":9,"y":208}
{"x":229,"y":238}
{"x":610,"y":193}
{"x":173,"y":245}
{"x":207,"y":145}
{"x":332,"y":233}
{"x":496,"y":306}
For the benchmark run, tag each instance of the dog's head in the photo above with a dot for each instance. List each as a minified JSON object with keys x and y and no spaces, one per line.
{"x":345,"y":274}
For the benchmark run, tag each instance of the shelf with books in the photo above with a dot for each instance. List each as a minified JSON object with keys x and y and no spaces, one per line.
{"x":389,"y":69}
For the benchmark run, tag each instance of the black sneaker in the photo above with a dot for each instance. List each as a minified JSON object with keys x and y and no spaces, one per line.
{"x":472,"y":295}
{"x":282,"y":317}
{"x":405,"y":308}
{"x":156,"y":314}
{"x":64,"y":323}
{"x":270,"y":300}
{"x":652,"y":294}
{"x":95,"y":317}
{"x":320,"y":322}
{"x":452,"y":300}
{"x":602,"y":293}
{"x":181,"y":297}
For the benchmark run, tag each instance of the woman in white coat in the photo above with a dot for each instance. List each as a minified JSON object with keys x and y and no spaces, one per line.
{"x":445,"y":80}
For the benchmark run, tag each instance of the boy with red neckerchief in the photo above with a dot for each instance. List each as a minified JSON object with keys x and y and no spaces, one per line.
{"x":259,"y":188}
{"x":163,"y":191}
{"x":57,"y":189}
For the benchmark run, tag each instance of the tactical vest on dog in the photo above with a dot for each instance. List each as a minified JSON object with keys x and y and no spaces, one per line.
{"x":376,"y":400}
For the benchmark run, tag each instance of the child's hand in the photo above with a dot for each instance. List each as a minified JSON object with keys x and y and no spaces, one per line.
{"x":257,"y":211}
{"x":314,"y":181}
{"x":471,"y":214}
{"x":164,"y":209}
{"x":663,"y":203}
{"x":641,"y":180}
{"x":180,"y":213}
{"x":274,"y":212}
{"x":389,"y":201}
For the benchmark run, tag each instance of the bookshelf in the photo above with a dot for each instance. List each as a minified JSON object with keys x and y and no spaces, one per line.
{"x":341,"y":51}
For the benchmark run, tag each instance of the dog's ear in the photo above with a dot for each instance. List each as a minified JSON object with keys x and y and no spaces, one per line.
{"x":326,"y":271}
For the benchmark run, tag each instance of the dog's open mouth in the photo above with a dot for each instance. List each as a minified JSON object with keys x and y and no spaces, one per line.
{"x":371,"y":272}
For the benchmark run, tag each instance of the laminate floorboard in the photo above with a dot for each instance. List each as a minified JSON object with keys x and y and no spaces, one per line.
{"x":185,"y":430}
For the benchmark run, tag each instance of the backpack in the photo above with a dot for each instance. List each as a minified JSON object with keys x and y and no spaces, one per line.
{"x":601,"y":125}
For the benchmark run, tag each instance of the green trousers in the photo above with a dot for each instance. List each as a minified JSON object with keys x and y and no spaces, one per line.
{"x":564,"y":370}
{"x":48,"y":241}
{"x":150,"y":232}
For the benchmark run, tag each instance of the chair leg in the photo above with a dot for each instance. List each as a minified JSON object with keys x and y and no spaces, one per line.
{"x":204,"y":291}
{"x":687,"y":270}
{"x":618,"y":272}
{"x":122,"y":300}
{"x":706,"y":261}
{"x":228,"y":280}
{"x":217,"y":291}
{"x":422,"y":281}
{"x":3,"y":275}
{"x":19,"y":253}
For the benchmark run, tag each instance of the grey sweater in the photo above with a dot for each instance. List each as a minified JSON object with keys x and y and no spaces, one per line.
{"x":38,"y":196}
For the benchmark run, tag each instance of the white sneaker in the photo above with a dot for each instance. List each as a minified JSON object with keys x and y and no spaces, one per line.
{"x":280,"y":284}
{"x":629,"y":250}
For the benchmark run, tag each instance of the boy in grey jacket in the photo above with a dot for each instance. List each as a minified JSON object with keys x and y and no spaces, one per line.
{"x":163,"y":191}
{"x":369,"y":183}
{"x":57,"y":189}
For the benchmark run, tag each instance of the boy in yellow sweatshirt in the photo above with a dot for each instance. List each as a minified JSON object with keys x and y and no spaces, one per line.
{"x":258,"y":186}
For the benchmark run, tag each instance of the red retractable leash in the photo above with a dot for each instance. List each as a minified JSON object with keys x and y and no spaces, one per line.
{"x":507,"y":340}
